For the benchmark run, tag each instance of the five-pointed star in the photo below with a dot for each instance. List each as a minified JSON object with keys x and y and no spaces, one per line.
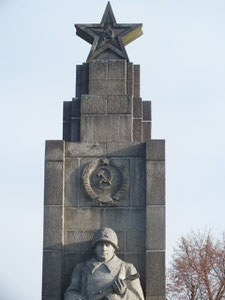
{"x":108,"y":36}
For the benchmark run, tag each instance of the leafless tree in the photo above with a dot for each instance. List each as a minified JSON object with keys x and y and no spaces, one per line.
{"x":197,"y":270}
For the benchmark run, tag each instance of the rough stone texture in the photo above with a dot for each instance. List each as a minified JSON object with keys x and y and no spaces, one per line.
{"x":121,"y":104}
{"x":124,"y":149}
{"x":155,"y":150}
{"x":86,"y":129}
{"x":155,"y":275}
{"x":107,"y":86}
{"x":53,"y":227}
{"x":155,"y":182}
{"x":125,"y":219}
{"x":93,"y":104}
{"x":86,"y":219}
{"x":98,"y":69}
{"x":53,"y":192}
{"x":75,"y":109}
{"x":135,"y":241}
{"x":147,"y":128}
{"x":54,"y":150}
{"x":85,"y":149}
{"x":156,"y":298}
{"x":137,"y":108}
{"x":136,"y":81}
{"x":147,"y":110}
{"x":52,"y":273}
{"x":72,"y":173}
{"x":75,"y":130}
{"x":130,"y":79}
{"x":117,"y":69}
{"x":138,"y":175}
{"x":137,"y":130}
{"x":155,"y":225}
{"x":72,"y":259}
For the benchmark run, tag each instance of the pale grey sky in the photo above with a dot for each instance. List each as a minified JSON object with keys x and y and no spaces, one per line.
{"x":182,"y":71}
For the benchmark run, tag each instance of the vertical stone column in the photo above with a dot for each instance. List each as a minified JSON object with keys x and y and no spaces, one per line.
{"x":155,"y":220}
{"x":53,"y":221}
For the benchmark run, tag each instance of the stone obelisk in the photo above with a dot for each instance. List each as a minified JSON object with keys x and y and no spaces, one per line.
{"x":107,"y":171}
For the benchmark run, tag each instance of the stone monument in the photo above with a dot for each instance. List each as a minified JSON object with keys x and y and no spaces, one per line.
{"x":107,"y":172}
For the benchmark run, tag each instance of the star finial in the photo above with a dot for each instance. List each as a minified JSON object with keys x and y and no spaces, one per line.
{"x":108,"y":38}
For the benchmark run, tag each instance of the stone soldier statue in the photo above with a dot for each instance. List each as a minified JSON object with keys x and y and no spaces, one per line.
{"x":104,"y":276}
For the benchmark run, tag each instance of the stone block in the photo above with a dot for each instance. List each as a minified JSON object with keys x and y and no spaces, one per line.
{"x":138,"y":260}
{"x":147,"y":128}
{"x":53,"y":191}
{"x":86,"y":129}
{"x":52,"y":274}
{"x":155,"y":183}
{"x":93,"y":104}
{"x":155,"y":227}
{"x":72,"y":259}
{"x":137,"y":108}
{"x":85,"y":79}
{"x":105,"y":128}
{"x":130,"y":72}
{"x":98,"y":69}
{"x":137,"y":130}
{"x":53,"y":227}
{"x":83,"y":219}
{"x":137,"y":74}
{"x":66,"y":131}
{"x":119,"y":104}
{"x":156,"y":298}
{"x":155,"y":274}
{"x":72,"y":179}
{"x":85,"y":149}
{"x":125,"y":149}
{"x":75,"y":130}
{"x":125,"y":219}
{"x":147,"y":111}
{"x":138,"y":182}
{"x":155,"y":150}
{"x":75,"y":108}
{"x":107,"y":86}
{"x":67,"y":107}
{"x":54,"y":150}
{"x":78,"y":80}
{"x":117,"y":69}
{"x":130,"y":88}
{"x":135,"y":241}
{"x":125,"y":128}
{"x":136,"y":90}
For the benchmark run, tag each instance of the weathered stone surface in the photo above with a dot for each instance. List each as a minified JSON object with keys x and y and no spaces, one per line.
{"x":107,"y":86}
{"x":156,"y":298}
{"x":130,"y":72}
{"x":84,"y":79}
{"x":125,"y":149}
{"x":86,"y":219}
{"x":147,"y":128}
{"x":125,"y":219}
{"x":78,"y":80}
{"x":137,"y":74}
{"x":155,"y":225}
{"x":137,"y":108}
{"x":155,"y":182}
{"x":72,"y":173}
{"x":85,"y":149}
{"x":105,"y":128}
{"x":53,"y":192}
{"x":98,"y":69}
{"x":138,"y":260}
{"x":137,"y":130}
{"x":75,"y":130}
{"x":93,"y":104}
{"x":66,"y":131}
{"x":53,"y":227}
{"x":67,"y":107}
{"x":117,"y":69}
{"x":135,"y":241}
{"x":155,"y":150}
{"x":138,"y":179}
{"x":125,"y":128}
{"x":52,"y":273}
{"x":147,"y":110}
{"x":86,"y":129}
{"x":75,"y":108}
{"x":80,"y":241}
{"x":72,"y":259}
{"x":121,"y":104}
{"x":54,"y":150}
{"x":155,"y":275}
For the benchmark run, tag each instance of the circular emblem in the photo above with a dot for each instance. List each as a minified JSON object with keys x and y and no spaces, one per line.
{"x":104,"y":182}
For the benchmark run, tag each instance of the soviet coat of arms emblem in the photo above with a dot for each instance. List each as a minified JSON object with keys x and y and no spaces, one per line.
{"x":104,"y":182}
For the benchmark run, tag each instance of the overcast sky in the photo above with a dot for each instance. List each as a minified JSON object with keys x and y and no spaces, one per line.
{"x":182,"y":58}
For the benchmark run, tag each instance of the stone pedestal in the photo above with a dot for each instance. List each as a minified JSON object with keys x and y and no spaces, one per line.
{"x":106,"y":172}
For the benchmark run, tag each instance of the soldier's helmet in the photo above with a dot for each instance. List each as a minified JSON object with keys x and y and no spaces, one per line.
{"x":105,"y":235}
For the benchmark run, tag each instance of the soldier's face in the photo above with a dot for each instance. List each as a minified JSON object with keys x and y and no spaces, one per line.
{"x":104,"y":251}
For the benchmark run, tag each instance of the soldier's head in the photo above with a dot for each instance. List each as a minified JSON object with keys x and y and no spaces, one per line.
{"x":105,"y":242}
